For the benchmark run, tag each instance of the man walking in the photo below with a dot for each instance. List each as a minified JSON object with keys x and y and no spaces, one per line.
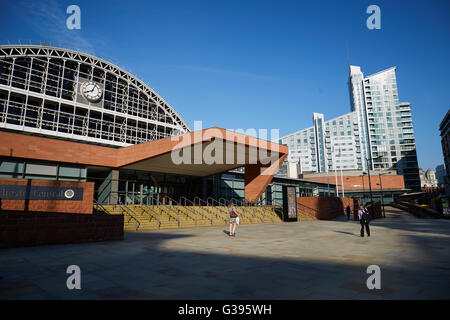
{"x":348,"y":210}
{"x":364,"y":220}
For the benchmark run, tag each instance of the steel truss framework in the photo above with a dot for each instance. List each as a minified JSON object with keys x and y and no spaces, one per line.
{"x":38,"y":94}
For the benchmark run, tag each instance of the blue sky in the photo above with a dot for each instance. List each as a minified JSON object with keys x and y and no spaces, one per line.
{"x":259,"y":64}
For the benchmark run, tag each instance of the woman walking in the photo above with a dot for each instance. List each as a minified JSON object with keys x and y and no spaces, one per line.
{"x":233,"y":216}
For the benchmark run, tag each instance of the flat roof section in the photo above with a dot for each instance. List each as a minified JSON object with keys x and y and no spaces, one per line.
{"x":201,"y":153}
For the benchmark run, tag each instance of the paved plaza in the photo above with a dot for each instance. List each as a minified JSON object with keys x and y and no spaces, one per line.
{"x":304,"y":260}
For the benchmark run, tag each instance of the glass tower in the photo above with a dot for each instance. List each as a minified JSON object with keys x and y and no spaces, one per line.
{"x":378,"y":132}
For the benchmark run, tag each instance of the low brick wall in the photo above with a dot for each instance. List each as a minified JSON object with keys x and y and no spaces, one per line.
{"x":325,"y":208}
{"x":377,"y":211}
{"x":19,"y":229}
{"x":69,"y":206}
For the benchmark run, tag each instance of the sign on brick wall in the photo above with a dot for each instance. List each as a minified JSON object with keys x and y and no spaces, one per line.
{"x":17,"y":192}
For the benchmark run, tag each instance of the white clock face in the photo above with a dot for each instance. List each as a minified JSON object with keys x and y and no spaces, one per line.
{"x":91,"y":91}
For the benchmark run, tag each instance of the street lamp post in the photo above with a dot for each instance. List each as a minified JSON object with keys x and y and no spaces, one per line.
{"x":370,"y":184}
{"x":362,"y":178}
{"x":382,"y":203}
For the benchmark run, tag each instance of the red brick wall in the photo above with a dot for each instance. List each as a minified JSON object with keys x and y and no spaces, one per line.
{"x":358,"y":182}
{"x":325,"y":208}
{"x":30,"y":147}
{"x":29,"y":229}
{"x":84,"y":206}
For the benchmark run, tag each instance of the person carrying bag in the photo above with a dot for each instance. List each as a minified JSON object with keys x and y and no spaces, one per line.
{"x":363,"y":216}
{"x":234,"y":219}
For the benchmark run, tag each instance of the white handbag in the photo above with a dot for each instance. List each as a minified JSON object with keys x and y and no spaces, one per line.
{"x":237,"y":220}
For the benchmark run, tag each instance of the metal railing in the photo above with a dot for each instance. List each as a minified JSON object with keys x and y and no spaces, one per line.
{"x":173,"y":203}
{"x":188,"y":203}
{"x":131,"y":213}
{"x":224,"y":201}
{"x":164,"y":208}
{"x":196,"y":211}
{"x":152,"y":214}
{"x":205,"y":206}
{"x":219,"y":207}
{"x":97,"y":204}
{"x":174,"y":215}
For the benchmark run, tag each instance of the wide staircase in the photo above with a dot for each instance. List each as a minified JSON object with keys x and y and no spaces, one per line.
{"x":154,"y":217}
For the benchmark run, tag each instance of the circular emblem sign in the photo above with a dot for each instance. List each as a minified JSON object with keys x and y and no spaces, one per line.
{"x":69,"y":193}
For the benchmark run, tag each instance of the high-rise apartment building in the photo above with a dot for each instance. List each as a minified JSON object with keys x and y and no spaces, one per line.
{"x":378,"y":132}
{"x":444,"y":128}
{"x":441,"y":175}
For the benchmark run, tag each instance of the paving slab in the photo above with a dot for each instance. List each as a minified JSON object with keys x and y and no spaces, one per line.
{"x":299,"y":260}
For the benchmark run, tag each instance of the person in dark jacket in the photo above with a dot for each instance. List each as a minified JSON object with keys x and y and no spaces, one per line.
{"x":363,"y":216}
{"x":348,"y":211}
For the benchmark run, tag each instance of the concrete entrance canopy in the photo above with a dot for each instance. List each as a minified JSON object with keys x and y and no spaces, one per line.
{"x":200,"y":153}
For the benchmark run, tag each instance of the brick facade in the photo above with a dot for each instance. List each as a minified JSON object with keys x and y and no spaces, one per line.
{"x":138,"y":156}
{"x":19,"y":229}
{"x":362,"y":182}
{"x":325,"y":208}
{"x":84,"y":206}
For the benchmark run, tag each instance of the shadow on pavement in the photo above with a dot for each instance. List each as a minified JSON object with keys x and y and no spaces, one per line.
{"x":143,"y":267}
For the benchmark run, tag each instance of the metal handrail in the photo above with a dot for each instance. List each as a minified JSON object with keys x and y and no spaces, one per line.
{"x":154,"y":214}
{"x":200,"y":200}
{"x":236,"y":201}
{"x":186,"y":200}
{"x":213,"y":200}
{"x":132,"y":214}
{"x":224,"y":201}
{"x":179,"y":204}
{"x":101,"y":206}
{"x":189,"y":209}
{"x":205,"y":208}
{"x":219,"y":206}
{"x":170,"y":213}
{"x":193,"y":204}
